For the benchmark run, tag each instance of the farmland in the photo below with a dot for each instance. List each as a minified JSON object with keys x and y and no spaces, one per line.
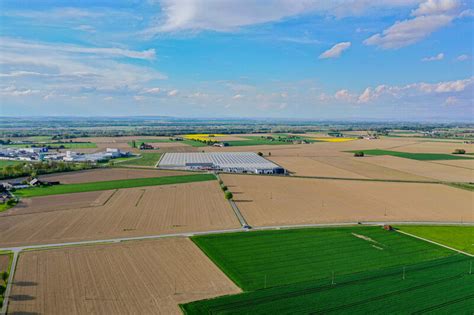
{"x":106,"y":174}
{"x":258,"y":260}
{"x":112,"y":184}
{"x":146,"y":159}
{"x":459,"y":237}
{"x":334,"y":269}
{"x":269,"y":201}
{"x":147,"y":277}
{"x":152,"y":210}
{"x":442,"y":286}
{"x":416,"y":156}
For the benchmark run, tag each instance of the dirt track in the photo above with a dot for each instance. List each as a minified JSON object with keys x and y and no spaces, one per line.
{"x":105,"y":174}
{"x":145,"y":277}
{"x":129,"y":212}
{"x":266,"y":200}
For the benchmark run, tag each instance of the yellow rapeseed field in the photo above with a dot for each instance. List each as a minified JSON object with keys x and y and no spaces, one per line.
{"x":334,"y":139}
{"x":203,"y":137}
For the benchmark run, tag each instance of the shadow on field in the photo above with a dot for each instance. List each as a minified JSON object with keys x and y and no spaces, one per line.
{"x":24,"y":313}
{"x":22,"y":297}
{"x":243,"y":200}
{"x":25,"y":283}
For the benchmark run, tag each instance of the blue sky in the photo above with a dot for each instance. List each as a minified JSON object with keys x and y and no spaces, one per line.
{"x":334,"y":59}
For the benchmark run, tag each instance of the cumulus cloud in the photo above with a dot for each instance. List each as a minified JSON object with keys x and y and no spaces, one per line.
{"x":344,"y":95}
{"x":173,"y":93}
{"x":462,"y":57}
{"x":439,"y":56}
{"x":335,"y":51}
{"x":434,"y":7}
{"x":430,"y":16}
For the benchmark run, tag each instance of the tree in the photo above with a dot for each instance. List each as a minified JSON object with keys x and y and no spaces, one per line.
{"x":459,"y":151}
{"x":228,"y":195}
{"x":224,"y":187}
{"x":269,"y":154}
{"x":359,"y":154}
{"x":134,"y":144}
{"x":260,"y":153}
{"x":3,"y":288}
{"x":5,"y":276}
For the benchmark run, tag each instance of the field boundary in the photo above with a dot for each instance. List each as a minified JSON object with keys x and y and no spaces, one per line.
{"x":436,"y":243}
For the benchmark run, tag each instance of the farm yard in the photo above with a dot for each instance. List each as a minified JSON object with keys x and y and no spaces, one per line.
{"x":356,"y":269}
{"x":150,"y":210}
{"x":146,"y":277}
{"x":269,"y":201}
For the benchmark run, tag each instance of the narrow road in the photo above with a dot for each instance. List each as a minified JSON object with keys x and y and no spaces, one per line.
{"x":9,"y":284}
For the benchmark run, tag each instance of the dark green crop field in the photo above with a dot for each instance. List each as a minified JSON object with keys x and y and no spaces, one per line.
{"x":113,"y":184}
{"x":356,"y":270}
{"x":274,"y":258}
{"x":415,"y":156}
{"x":440,"y":286}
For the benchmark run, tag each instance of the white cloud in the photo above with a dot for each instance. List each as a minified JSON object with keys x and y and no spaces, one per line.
{"x":451,"y":100}
{"x":85,"y":28}
{"x":10,"y":43}
{"x":344,"y":95}
{"x":173,"y":93}
{"x":138,"y":98}
{"x":237,"y":96}
{"x":229,"y":15}
{"x":462,"y":57}
{"x":154,"y":90}
{"x":439,"y":56}
{"x":14,"y":91}
{"x":335,"y":51}
{"x":365,"y":96}
{"x":108,"y":98}
{"x":430,"y":16}
{"x":434,"y":7}
{"x":408,"y":32}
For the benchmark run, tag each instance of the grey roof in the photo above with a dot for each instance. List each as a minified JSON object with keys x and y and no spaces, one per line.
{"x":245,"y":160}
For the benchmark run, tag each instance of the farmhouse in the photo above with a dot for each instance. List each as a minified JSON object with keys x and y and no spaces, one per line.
{"x":232,"y":162}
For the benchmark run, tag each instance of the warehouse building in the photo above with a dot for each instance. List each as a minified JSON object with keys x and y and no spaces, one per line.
{"x":231,"y":162}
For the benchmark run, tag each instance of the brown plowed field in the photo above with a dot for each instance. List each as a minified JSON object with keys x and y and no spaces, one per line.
{"x":4,"y":262}
{"x":146,"y":277}
{"x":423,"y":168}
{"x":59,"y":202}
{"x":129,"y":212}
{"x":468,"y":164}
{"x":106,"y":174}
{"x":436,"y":147}
{"x":267,"y":200}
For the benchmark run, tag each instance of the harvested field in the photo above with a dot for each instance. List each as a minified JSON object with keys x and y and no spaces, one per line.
{"x":468,"y":164}
{"x":267,"y":201}
{"x":433,"y":146}
{"x":60,"y":202}
{"x":147,"y":277}
{"x":423,"y":168}
{"x":4,"y":262}
{"x":149,"y":210}
{"x":106,"y":174}
{"x":307,"y":166}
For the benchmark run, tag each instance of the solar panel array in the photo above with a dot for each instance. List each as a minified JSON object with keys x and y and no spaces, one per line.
{"x":220,"y":160}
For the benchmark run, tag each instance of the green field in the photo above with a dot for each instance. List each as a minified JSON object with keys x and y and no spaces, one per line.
{"x":414,"y":156}
{"x":258,"y":140}
{"x":4,"y":163}
{"x":290,"y":256}
{"x":322,"y":270}
{"x":441,"y":286}
{"x":459,"y":237}
{"x":113,"y":184}
{"x":146,"y":159}
{"x":193,"y":143}
{"x":67,"y":145}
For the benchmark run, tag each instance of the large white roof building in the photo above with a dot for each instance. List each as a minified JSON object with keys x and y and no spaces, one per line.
{"x":235,"y":162}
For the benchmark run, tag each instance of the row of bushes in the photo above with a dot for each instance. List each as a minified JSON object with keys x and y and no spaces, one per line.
{"x":37,"y":168}
{"x":227,"y":194}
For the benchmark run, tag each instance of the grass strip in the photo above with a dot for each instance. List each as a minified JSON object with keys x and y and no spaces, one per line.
{"x":113,"y":184}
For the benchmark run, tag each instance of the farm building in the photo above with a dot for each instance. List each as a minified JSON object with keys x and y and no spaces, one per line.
{"x":232,"y":162}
